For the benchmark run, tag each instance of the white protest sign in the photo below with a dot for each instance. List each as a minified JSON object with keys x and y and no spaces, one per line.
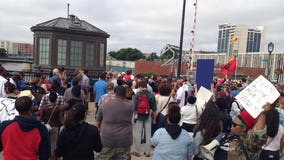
{"x":257,"y":94}
{"x":203,"y":96}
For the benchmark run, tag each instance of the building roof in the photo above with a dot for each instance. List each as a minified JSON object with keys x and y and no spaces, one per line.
{"x":72,"y":23}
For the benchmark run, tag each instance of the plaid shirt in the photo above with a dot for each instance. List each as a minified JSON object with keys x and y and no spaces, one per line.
{"x":45,"y":100}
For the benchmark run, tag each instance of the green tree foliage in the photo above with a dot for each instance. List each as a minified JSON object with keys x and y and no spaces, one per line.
{"x":3,"y":52}
{"x":128,"y":54}
{"x":152,"y":57}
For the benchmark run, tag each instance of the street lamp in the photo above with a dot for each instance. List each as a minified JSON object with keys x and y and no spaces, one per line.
{"x":270,"y":50}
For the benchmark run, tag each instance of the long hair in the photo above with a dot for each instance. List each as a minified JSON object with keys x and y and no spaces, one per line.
{"x":74,"y":116}
{"x":208,"y":124}
{"x":174,"y":113}
{"x":272,"y":122}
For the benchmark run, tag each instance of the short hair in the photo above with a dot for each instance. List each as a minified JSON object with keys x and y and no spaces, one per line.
{"x":55,"y":71}
{"x":23,"y":104}
{"x":164,"y":89}
{"x":191,"y":99}
{"x":77,"y":79}
{"x":102,"y":76}
{"x":120,"y":91}
{"x":52,"y":96}
{"x":76,"y":90}
{"x":142,"y":84}
{"x":109,"y":86}
{"x":120,"y":81}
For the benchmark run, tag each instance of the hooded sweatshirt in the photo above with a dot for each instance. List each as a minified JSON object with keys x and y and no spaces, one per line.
{"x":79,"y":143}
{"x":25,"y":139}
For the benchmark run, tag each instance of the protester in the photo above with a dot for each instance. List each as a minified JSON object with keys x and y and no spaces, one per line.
{"x":109,"y":95}
{"x":99,"y":89}
{"x":247,"y":137}
{"x":24,"y":137}
{"x":162,"y":100}
{"x":172,"y":142}
{"x":275,"y":141}
{"x":144,"y":98}
{"x":189,"y":114}
{"x":78,"y":139}
{"x":208,"y":127}
{"x":52,"y":115}
{"x":114,"y":120}
{"x":225,"y":117}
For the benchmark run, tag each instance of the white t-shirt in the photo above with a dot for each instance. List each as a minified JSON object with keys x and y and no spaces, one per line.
{"x":273,"y":144}
{"x":188,"y":114}
{"x":181,"y":94}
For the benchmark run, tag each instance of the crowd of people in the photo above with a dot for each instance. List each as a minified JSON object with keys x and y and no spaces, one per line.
{"x":46,"y":119}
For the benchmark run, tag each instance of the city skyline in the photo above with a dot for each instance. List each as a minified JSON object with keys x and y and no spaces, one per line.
{"x":147,"y":25}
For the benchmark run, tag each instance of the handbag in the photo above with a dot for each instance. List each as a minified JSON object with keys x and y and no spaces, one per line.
{"x":47,"y":125}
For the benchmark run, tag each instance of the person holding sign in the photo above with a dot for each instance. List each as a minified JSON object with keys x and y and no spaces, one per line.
{"x":248,"y":135}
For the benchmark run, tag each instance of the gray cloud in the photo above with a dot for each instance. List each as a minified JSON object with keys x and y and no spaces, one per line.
{"x":146,"y":25}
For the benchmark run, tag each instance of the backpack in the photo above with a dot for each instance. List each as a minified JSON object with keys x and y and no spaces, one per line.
{"x":143,"y":106}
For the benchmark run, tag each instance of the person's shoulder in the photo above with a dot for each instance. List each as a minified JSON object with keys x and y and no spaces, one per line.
{"x":4,"y":124}
{"x":90,"y":127}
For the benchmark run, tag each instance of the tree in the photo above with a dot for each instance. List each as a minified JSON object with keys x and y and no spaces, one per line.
{"x":152,"y":57}
{"x":127,"y":54}
{"x":3,"y":52}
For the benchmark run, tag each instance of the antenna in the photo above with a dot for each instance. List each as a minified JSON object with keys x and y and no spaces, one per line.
{"x":68,"y":9}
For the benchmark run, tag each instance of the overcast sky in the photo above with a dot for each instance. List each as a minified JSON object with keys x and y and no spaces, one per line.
{"x":147,"y":25}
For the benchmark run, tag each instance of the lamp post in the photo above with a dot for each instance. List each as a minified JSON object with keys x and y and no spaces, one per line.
{"x":270,"y":50}
{"x":181,"y":41}
{"x":235,"y":53}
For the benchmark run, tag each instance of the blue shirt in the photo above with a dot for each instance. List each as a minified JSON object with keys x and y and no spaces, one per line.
{"x":167,"y":148}
{"x":99,"y":89}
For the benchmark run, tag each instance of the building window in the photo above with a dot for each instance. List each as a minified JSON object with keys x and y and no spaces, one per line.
{"x":102,"y":54}
{"x":90,"y":54}
{"x":61,"y":51}
{"x":44,"y":51}
{"x":76,"y":53}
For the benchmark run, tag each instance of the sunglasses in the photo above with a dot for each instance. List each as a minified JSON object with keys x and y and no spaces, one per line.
{"x":235,"y":124}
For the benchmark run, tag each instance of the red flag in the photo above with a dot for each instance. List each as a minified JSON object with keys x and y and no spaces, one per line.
{"x":229,"y":67}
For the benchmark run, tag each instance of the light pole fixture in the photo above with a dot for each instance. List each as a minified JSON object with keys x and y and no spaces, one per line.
{"x":181,"y":41}
{"x":270,"y":50}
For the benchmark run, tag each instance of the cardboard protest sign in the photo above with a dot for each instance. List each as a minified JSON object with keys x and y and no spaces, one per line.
{"x":256,"y":94}
{"x":203,"y":96}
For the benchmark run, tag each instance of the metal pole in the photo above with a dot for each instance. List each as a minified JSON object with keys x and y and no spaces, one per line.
{"x":236,"y":68}
{"x":268,"y":72}
{"x":181,"y":41}
{"x":68,"y":10}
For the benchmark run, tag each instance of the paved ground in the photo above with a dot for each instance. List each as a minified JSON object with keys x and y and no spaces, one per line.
{"x":91,"y":120}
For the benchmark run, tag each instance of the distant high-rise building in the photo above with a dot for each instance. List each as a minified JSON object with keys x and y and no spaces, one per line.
{"x":237,"y":37}
{"x":25,"y":49}
{"x":10,"y":47}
